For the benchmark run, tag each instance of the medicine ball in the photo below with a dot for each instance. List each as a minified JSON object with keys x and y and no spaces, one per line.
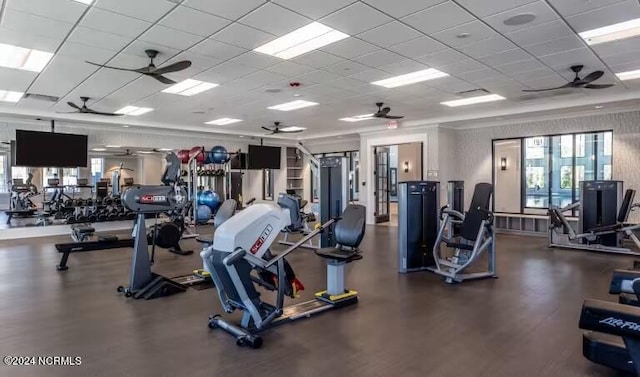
{"x":219,"y":155}
{"x":183,"y":155}
{"x":203,"y":214}
{"x":210,"y":199}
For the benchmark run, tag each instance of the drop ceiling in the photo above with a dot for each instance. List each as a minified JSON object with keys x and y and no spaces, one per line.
{"x":387,"y":38}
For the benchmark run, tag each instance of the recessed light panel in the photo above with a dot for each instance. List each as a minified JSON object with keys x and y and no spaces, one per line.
{"x":99,"y":149}
{"x":613,"y":32}
{"x":629,"y":75}
{"x":473,"y":100}
{"x":292,"y":129}
{"x":23,"y":58}
{"x":410,"y":78}
{"x":88,"y":2}
{"x":301,"y":41}
{"x":358,"y":118}
{"x":10,"y":96}
{"x":294,"y":105}
{"x":133,"y":110}
{"x":189,"y":87}
{"x":224,"y":121}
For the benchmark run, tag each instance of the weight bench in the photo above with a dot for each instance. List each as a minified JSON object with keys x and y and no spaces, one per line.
{"x":23,"y":213}
{"x":103,"y":243}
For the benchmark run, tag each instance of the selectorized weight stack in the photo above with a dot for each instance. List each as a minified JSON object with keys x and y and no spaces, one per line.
{"x":333,"y":194}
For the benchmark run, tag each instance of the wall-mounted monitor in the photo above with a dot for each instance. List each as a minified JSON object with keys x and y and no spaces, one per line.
{"x":48,"y":149}
{"x":261,"y":157}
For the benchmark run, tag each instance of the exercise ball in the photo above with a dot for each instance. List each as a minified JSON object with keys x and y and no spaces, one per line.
{"x":219,"y":155}
{"x":203,"y":214}
{"x":183,"y":155}
{"x":210,"y":199}
{"x":198,"y":153}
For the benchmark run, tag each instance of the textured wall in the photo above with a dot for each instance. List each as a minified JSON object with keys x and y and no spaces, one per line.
{"x":473,"y":147}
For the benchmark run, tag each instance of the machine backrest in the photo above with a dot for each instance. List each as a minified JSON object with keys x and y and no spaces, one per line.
{"x":478,"y":211}
{"x":349,"y":230}
{"x":226,"y":210}
{"x":625,"y":207}
{"x":292,"y":203}
{"x":172,"y":170}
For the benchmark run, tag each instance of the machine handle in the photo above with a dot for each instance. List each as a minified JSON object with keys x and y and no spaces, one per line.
{"x":489,"y":214}
{"x":442,"y":211}
{"x":302,"y":241}
{"x":250,"y":201}
{"x":234,"y":257}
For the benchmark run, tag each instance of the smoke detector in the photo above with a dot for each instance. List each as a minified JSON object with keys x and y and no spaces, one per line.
{"x":519,"y":19}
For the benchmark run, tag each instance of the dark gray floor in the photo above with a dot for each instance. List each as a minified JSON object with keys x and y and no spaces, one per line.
{"x":522,"y":324}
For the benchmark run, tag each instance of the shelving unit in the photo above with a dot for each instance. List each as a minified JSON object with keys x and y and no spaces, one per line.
{"x":531,"y":225}
{"x":295,"y":168}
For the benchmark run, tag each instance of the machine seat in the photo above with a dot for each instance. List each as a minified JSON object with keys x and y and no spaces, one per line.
{"x":459,"y":243}
{"x":607,"y":228}
{"x":339,"y":254}
{"x":83,"y":228}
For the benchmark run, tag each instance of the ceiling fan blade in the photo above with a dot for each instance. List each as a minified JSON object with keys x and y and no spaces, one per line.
{"x":162,"y":79}
{"x":393,"y":117}
{"x":111,"y":67}
{"x":598,"y":86}
{"x":567,"y":85}
{"x":89,"y":111}
{"x":175,"y":67}
{"x":68,"y":112}
{"x":593,"y":76}
{"x":73,"y":105}
{"x":267,"y":129}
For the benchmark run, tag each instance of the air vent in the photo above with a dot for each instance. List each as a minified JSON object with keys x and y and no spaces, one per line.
{"x":473,"y":93}
{"x":42,"y":97}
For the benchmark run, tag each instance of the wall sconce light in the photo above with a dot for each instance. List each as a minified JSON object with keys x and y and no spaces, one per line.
{"x":406,"y":166}
{"x":503,"y":163}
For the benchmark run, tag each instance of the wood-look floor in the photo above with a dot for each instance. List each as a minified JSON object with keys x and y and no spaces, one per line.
{"x":522,"y":324}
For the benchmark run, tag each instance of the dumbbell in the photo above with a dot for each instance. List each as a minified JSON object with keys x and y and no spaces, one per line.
{"x":102,"y":216}
{"x":68,"y":203}
{"x":89,"y":202}
{"x":122,"y":216}
{"x":131,"y":216}
{"x":93,"y":218}
{"x":107,"y":201}
{"x":71,"y":219}
{"x":117,"y":201}
{"x":79,"y":202}
{"x":81,"y":219}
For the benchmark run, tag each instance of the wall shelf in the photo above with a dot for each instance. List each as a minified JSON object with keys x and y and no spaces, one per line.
{"x":531,"y":225}
{"x":295,"y":167}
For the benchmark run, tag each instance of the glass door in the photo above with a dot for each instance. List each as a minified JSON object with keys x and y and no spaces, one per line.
{"x":381,"y":174}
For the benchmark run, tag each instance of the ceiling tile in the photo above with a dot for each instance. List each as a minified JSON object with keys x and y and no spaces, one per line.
{"x":476,"y":31}
{"x":231,"y":9}
{"x":318,"y":77}
{"x":84,"y":52}
{"x":569,"y":58}
{"x":418,"y":47}
{"x":617,"y":47}
{"x":441,"y":58}
{"x":612,"y":14}
{"x":256,"y":60}
{"x":290,"y":69}
{"x":347,"y":68}
{"x":317,"y":59}
{"x":540,"y":9}
{"x":439,"y":17}
{"x":572,"y":7}
{"x":370,"y":75}
{"x":479,"y":75}
{"x":347,"y":83}
{"x":536,"y":74}
{"x":263,"y":19}
{"x":148,"y":10}
{"x":243,"y":36}
{"x":404,"y":66}
{"x":625,"y":58}
{"x":98,"y":38}
{"x":356,"y":19}
{"x":199,"y":63}
{"x":555,"y":46}
{"x":451,"y":85}
{"x":462,"y":66}
{"x":625,"y":67}
{"x":389,"y":34}
{"x":225,"y":72}
{"x":34,"y":25}
{"x":505,"y":57}
{"x":28,"y":40}
{"x":104,"y":82}
{"x":257,"y":80}
{"x":137,"y":50}
{"x":61,"y":75}
{"x":520,"y":66}
{"x":216,"y":49}
{"x":484,"y":8}
{"x":194,"y":21}
{"x":350,"y":47}
{"x":165,"y":36}
{"x":313,"y":8}
{"x":541,"y":33}
{"x":490,"y":46}
{"x":16,"y":79}
{"x":61,"y":10}
{"x":110,"y":22}
{"x":402,"y":8}
{"x":379,"y":58}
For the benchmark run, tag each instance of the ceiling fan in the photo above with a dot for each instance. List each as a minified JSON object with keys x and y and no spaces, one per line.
{"x":85,"y":110}
{"x":277,"y":130}
{"x":127,"y":153}
{"x":384,"y":112}
{"x":584,"y":83}
{"x":151,"y":70}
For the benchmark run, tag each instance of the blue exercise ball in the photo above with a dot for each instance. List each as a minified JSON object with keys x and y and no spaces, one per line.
{"x":210,"y":199}
{"x":203,"y":214}
{"x":218,"y":155}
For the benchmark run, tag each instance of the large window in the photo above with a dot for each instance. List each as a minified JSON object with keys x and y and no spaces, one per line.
{"x":97,"y":167}
{"x":555,"y":165}
{"x":49,"y":173}
{"x":353,"y":159}
{"x":18,"y":172}
{"x":267,"y":184}
{"x":4,"y":176}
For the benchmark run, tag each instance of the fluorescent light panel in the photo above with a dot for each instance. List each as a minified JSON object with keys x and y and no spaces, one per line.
{"x":190,"y":87}
{"x":99,"y":149}
{"x":23,"y":58}
{"x":88,"y":2}
{"x":133,"y":110}
{"x":224,"y":121}
{"x":629,"y":75}
{"x":411,"y":78}
{"x":165,"y":149}
{"x":10,"y":96}
{"x":358,"y":118}
{"x":294,"y":105}
{"x":145,"y":152}
{"x":301,"y":41}
{"x":292,"y":129}
{"x":473,"y":100}
{"x":113,"y":146}
{"x":613,"y":32}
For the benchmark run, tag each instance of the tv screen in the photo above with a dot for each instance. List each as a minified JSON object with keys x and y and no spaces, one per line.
{"x":48,"y":149}
{"x":261,"y":157}
{"x":239,"y":161}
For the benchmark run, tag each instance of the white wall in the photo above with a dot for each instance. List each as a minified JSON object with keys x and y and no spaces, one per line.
{"x":473,"y":147}
{"x":410,"y":153}
{"x":508,"y":184}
